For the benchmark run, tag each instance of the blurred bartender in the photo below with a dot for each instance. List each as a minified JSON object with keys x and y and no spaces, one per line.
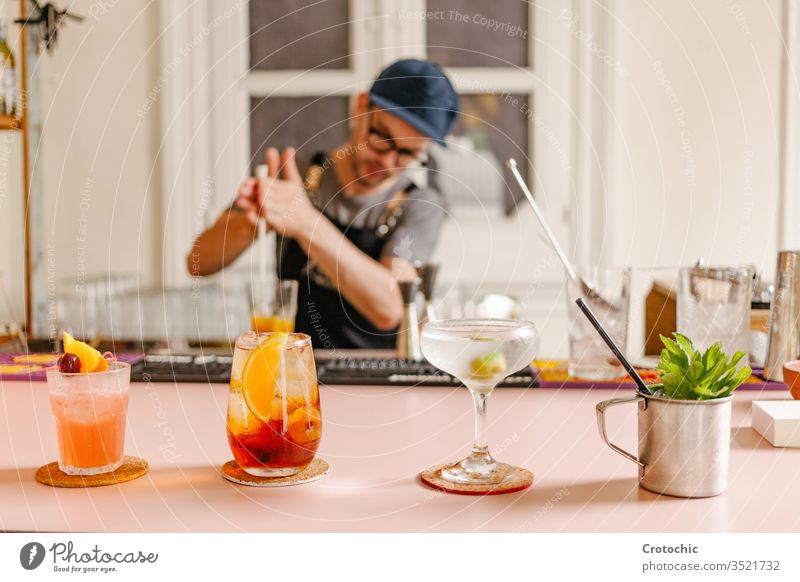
{"x":350,"y":221}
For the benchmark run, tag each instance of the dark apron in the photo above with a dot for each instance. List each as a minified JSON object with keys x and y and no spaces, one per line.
{"x":322,"y":312}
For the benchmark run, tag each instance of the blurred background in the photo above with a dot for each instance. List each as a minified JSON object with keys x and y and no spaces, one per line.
{"x":652,"y":133}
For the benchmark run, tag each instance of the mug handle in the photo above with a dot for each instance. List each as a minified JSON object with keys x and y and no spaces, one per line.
{"x":601,"y":425}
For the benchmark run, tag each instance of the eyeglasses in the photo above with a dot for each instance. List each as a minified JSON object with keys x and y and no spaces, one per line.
{"x":382,"y":143}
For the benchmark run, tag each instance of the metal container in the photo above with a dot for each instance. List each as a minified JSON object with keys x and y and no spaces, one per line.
{"x":784,"y":329}
{"x":408,"y":333}
{"x":427,"y":273}
{"x":684,"y":445}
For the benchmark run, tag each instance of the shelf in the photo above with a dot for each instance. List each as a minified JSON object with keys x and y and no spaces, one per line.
{"x":10,"y":122}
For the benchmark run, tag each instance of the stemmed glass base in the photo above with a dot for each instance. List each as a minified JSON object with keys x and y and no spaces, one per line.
{"x":481,"y":469}
{"x":460,"y":473}
{"x":455,"y":478}
{"x":479,"y":472}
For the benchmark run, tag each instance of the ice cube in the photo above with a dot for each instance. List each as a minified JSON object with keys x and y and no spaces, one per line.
{"x":240,"y":419}
{"x":239,"y":358}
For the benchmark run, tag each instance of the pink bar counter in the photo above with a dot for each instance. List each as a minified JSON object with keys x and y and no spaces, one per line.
{"x":376,"y":440}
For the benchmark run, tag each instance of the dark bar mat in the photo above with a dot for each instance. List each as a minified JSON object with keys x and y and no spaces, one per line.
{"x":358,"y":371}
{"x":179,"y":368}
{"x":400,"y":372}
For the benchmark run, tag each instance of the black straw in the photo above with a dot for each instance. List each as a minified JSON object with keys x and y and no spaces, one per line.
{"x":610,"y":343}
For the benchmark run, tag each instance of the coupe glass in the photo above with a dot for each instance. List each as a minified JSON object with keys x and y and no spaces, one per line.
{"x":480,"y":353}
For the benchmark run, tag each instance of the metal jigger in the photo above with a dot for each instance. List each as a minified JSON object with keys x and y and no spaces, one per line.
{"x":427,"y":273}
{"x":408,"y":333}
{"x":784,"y":329}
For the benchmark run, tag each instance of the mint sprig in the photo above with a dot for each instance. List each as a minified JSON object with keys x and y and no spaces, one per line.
{"x":688,"y":374}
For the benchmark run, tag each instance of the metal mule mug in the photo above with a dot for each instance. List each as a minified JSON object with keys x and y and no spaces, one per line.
{"x":684,"y":445}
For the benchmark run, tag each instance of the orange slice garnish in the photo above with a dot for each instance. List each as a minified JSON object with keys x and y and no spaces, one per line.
{"x":91,"y":359}
{"x":261,"y":373}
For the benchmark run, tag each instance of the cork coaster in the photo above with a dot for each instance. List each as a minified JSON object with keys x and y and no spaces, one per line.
{"x":235,"y":474}
{"x":516,"y":479}
{"x":131,"y":468}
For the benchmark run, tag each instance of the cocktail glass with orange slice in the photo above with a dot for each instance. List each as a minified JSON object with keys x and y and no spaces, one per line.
{"x":274,"y":423}
{"x":89,"y":402}
{"x":273,"y":305}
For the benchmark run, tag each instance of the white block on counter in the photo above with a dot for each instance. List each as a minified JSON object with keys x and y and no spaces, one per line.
{"x":778,"y":421}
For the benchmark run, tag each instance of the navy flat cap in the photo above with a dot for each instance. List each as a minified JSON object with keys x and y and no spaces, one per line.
{"x":419,"y":93}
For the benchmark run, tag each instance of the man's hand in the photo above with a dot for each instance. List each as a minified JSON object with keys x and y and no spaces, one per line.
{"x":287,"y":208}
{"x":250,"y":200}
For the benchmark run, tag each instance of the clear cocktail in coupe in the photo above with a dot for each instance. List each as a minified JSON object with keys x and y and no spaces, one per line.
{"x":480,"y":353}
{"x":274,"y":422}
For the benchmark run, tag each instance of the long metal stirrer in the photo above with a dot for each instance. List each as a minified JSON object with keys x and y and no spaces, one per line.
{"x":512,"y":165}
{"x":610,"y":343}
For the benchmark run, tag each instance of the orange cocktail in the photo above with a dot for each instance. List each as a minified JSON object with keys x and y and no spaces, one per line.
{"x":91,"y":431}
{"x":89,"y":403}
{"x":270,"y":323}
{"x":273,"y":305}
{"x":274,"y":423}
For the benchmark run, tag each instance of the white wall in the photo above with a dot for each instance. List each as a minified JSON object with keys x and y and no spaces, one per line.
{"x":11,"y":204}
{"x":98,"y":156}
{"x":97,"y":146}
{"x":692,"y":149}
{"x":719,"y":63}
{"x":696,"y":133}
